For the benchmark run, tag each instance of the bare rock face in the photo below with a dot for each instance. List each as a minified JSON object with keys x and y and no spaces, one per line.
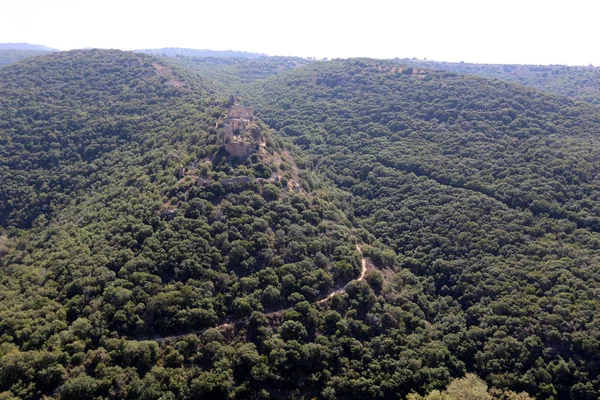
{"x":241,"y":135}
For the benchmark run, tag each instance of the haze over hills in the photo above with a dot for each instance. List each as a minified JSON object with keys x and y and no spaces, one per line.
{"x":578,"y":82}
{"x":25,"y":46}
{"x":364,"y":229}
{"x":232,"y":74}
{"x":13,"y":52}
{"x":182,"y":52}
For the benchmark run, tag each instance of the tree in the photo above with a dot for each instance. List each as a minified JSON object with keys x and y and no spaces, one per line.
{"x":81,"y":387}
{"x":293,"y":330}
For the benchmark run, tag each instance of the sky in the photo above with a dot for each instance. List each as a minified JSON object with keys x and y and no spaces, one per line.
{"x":482,"y":31}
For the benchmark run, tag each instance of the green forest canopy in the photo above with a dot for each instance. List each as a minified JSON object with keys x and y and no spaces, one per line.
{"x":475,"y":201}
{"x":579,"y":82}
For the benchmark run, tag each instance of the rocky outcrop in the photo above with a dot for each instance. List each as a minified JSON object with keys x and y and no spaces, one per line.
{"x":203,"y":182}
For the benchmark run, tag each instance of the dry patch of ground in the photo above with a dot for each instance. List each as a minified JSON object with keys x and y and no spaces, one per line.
{"x":168,"y":73}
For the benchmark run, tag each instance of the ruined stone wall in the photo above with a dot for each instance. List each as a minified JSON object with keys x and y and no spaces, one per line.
{"x":238,"y":124}
{"x":241,"y":137}
{"x":240,"y":112}
{"x":227,"y":131}
{"x":203,"y":182}
{"x":239,"y":148}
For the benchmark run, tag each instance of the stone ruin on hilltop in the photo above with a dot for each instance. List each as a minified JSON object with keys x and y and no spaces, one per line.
{"x":241,"y":135}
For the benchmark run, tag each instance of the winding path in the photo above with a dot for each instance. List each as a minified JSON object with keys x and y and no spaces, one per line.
{"x":363,"y":271}
{"x":230,"y":323}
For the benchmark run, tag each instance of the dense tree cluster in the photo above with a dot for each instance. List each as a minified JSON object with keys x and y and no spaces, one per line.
{"x":132,"y":268}
{"x":134,"y":252}
{"x":62,"y":119}
{"x":487,"y":190}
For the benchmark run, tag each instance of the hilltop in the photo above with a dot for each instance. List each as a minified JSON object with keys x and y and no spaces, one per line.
{"x":120,"y":191}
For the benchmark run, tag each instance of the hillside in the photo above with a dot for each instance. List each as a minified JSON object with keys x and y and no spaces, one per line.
{"x":60,"y":117}
{"x":487,"y":190}
{"x":201,"y":228}
{"x":130,"y":231}
{"x":577,"y":82}
{"x":233,"y":74}
{"x":12,"y":56}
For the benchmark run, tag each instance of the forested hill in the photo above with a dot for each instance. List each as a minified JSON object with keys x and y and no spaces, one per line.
{"x":370,"y":231}
{"x":130,"y":232}
{"x":487,"y":189}
{"x":578,"y":82}
{"x":62,"y":113}
{"x":516,"y":145}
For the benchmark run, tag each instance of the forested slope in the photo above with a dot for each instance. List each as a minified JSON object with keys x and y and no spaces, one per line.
{"x":116,"y":264}
{"x":9,"y":56}
{"x":141,"y":260}
{"x":486,"y":189}
{"x":577,"y":82}
{"x":232,"y":74}
{"x":61,"y":116}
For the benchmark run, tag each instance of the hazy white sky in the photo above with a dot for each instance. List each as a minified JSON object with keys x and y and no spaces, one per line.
{"x":507,"y":31}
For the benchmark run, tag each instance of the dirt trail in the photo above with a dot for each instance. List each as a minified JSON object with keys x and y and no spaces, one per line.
{"x":363,"y":271}
{"x":230,"y":323}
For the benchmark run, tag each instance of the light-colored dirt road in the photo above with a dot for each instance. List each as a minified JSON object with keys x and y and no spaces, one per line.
{"x":230,"y":323}
{"x":363,"y":271}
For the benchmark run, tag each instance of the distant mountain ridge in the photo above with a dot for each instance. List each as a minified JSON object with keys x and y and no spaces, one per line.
{"x":183,"y":52}
{"x":13,"y":52}
{"x":25,"y":46}
{"x":578,"y":82}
